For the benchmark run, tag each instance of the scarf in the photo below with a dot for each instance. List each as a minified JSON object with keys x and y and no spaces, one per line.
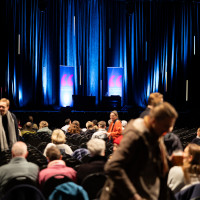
{"x":11,"y":132}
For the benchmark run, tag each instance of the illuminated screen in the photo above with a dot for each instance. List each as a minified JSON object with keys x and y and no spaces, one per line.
{"x":115,"y":80}
{"x":66,"y":85}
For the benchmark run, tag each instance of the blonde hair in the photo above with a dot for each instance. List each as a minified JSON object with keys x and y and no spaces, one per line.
{"x":6,"y":101}
{"x":114,"y":112}
{"x":58,"y":137}
{"x":43,"y":124}
{"x":155,"y":99}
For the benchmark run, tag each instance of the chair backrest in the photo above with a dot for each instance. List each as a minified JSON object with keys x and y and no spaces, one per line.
{"x":24,"y":192}
{"x":51,"y":183}
{"x":17,"y":181}
{"x":93,"y":184}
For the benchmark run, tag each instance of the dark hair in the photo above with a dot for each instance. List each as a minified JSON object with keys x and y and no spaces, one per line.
{"x":67,"y":121}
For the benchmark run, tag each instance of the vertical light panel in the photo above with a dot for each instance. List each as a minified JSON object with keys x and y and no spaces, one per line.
{"x":194,"y":44}
{"x":80,"y":75}
{"x":74,"y":24}
{"x":115,"y":80}
{"x":18,"y":49}
{"x":165,"y":81}
{"x":66,"y":85}
{"x":186,"y":90}
{"x":109,"y":38}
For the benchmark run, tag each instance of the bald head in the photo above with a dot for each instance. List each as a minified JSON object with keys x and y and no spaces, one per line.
{"x":19,"y":149}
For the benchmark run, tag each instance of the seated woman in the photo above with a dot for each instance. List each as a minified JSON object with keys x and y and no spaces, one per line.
{"x":58,"y":139}
{"x":180,"y":177}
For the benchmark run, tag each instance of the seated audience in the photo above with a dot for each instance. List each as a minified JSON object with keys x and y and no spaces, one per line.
{"x":89,"y":128}
{"x":101,"y":132}
{"x":43,"y":127}
{"x":58,"y":139}
{"x":18,"y":165}
{"x":28,"y":128}
{"x":180,"y":177}
{"x":67,"y":124}
{"x":172,"y":143}
{"x":97,"y":161}
{"x":197,"y":139}
{"x":56,"y":166}
{"x":73,"y":129}
{"x":34,"y":125}
{"x":115,"y":127}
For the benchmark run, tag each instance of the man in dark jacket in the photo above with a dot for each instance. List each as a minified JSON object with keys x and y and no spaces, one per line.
{"x":8,"y":126}
{"x":137,"y":167}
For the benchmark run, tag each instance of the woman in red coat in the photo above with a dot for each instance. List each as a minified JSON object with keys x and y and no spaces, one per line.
{"x":115,"y":127}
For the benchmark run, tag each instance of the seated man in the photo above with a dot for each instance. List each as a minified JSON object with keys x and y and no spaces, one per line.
{"x":197,"y":139}
{"x":101,"y":133}
{"x":18,"y":166}
{"x":56,"y":166}
{"x":97,"y":161}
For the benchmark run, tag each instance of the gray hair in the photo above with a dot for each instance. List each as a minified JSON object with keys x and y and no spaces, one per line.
{"x":96,"y":146}
{"x":19,"y":149}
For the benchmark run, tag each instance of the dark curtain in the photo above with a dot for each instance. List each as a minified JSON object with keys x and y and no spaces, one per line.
{"x":156,"y":43}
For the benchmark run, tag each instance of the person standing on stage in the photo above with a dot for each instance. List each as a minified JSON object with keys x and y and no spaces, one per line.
{"x":8,"y":126}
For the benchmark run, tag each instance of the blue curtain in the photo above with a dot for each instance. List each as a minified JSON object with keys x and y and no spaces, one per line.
{"x":156,"y":43}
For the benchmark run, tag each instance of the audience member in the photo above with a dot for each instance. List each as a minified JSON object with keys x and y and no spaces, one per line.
{"x":101,"y":132}
{"x":95,"y":124}
{"x":56,"y":166}
{"x":58,"y":139}
{"x":89,"y":128}
{"x":197,"y":139}
{"x":180,"y":177}
{"x":67,"y":124}
{"x":139,"y":165}
{"x":115,"y":127}
{"x":73,"y":129}
{"x":124,"y":123}
{"x":43,"y":127}
{"x":97,"y":161}
{"x":34,"y":125}
{"x":154,"y":99}
{"x":9,"y":133}
{"x":18,"y":165}
{"x":172,"y":143}
{"x":27,"y":129}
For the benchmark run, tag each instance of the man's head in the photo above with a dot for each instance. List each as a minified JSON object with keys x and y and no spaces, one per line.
{"x":19,"y":149}
{"x":102,"y":124}
{"x":162,"y":118}
{"x":89,"y":125}
{"x":155,"y":99}
{"x":4,"y":106}
{"x":68,"y":121}
{"x":53,"y":153}
{"x":96,"y":147}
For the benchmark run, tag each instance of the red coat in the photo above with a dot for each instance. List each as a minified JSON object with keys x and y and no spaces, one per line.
{"x":116,"y":130}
